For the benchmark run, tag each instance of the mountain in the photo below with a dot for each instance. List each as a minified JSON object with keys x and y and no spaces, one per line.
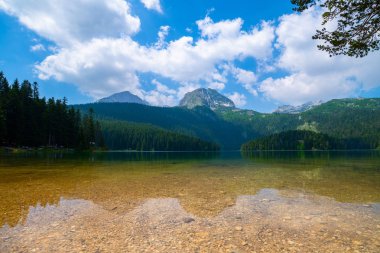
{"x":230,"y":127}
{"x":200,"y":122}
{"x":206,"y":97}
{"x":123,"y":97}
{"x":297,"y":109}
{"x":339,"y":118}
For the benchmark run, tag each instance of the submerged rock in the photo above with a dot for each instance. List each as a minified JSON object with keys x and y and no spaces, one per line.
{"x":188,"y":220}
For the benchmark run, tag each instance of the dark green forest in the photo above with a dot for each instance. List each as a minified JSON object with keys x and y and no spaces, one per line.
{"x":230,"y":128}
{"x":26,"y":120}
{"x":200,"y":122}
{"x":122,"y":135}
{"x":303,"y":140}
{"x":338,"y":118}
{"x":30,"y":121}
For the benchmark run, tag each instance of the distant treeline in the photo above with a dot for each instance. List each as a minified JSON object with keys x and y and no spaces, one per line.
{"x":303,"y":140}
{"x":27,"y":120}
{"x":122,"y":135}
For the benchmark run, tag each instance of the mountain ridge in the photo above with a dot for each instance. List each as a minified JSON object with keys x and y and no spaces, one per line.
{"x":123,"y":97}
{"x":230,"y":127}
{"x":298,"y":108}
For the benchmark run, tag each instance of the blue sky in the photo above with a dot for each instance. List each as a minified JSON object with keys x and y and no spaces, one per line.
{"x":258,"y":53}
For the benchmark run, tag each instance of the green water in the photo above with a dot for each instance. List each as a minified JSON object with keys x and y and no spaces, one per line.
{"x":205,"y":183}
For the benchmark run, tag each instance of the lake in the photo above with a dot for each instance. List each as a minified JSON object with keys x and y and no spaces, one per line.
{"x":190,"y":202}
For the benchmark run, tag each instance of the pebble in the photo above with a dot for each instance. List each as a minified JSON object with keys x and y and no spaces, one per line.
{"x":238,"y":228}
{"x":188,"y":220}
{"x":307,"y":218}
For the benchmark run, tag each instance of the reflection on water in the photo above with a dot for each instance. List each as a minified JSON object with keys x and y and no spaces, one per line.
{"x":204,"y":183}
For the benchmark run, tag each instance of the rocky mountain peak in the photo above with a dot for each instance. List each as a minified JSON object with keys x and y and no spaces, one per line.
{"x":206,"y":97}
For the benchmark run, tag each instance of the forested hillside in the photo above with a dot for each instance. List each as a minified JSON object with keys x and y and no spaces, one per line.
{"x":339,"y":118}
{"x":200,"y":122}
{"x":122,"y":135}
{"x":303,"y":140}
{"x":231,"y":127}
{"x":28,"y":120}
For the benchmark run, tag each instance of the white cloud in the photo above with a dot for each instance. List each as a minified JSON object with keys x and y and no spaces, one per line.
{"x":238,"y":99}
{"x":162,"y":95}
{"x":313,"y":75}
{"x":299,"y":88}
{"x":37,"y":47}
{"x":106,"y":65}
{"x":72,"y":21}
{"x":247,"y":78}
{"x":99,"y":67}
{"x":152,"y":5}
{"x":226,"y":29}
{"x":163,"y":88}
{"x":216,"y":85}
{"x":162,"y":33}
{"x":102,"y":59}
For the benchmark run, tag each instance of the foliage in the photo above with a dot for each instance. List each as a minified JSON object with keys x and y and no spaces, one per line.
{"x":339,"y":118}
{"x":303,"y":140}
{"x":358,"y":26}
{"x":200,"y":122}
{"x":27,"y":120}
{"x":229,"y":127}
{"x":122,"y":135}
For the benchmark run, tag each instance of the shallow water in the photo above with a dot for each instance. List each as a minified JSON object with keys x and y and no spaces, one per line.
{"x":158,"y":194}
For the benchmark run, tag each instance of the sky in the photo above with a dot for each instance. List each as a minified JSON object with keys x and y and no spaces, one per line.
{"x":258,"y":53}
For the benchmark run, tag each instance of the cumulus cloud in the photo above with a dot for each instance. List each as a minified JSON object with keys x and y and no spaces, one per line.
{"x":238,"y":98}
{"x":216,"y":86}
{"x":162,"y":33}
{"x":37,"y":47}
{"x":247,"y":78}
{"x":313,"y":75}
{"x":162,"y":95}
{"x":300,"y":88}
{"x":104,"y":65}
{"x":152,"y":5}
{"x":74,"y":21}
{"x":103,"y":58}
